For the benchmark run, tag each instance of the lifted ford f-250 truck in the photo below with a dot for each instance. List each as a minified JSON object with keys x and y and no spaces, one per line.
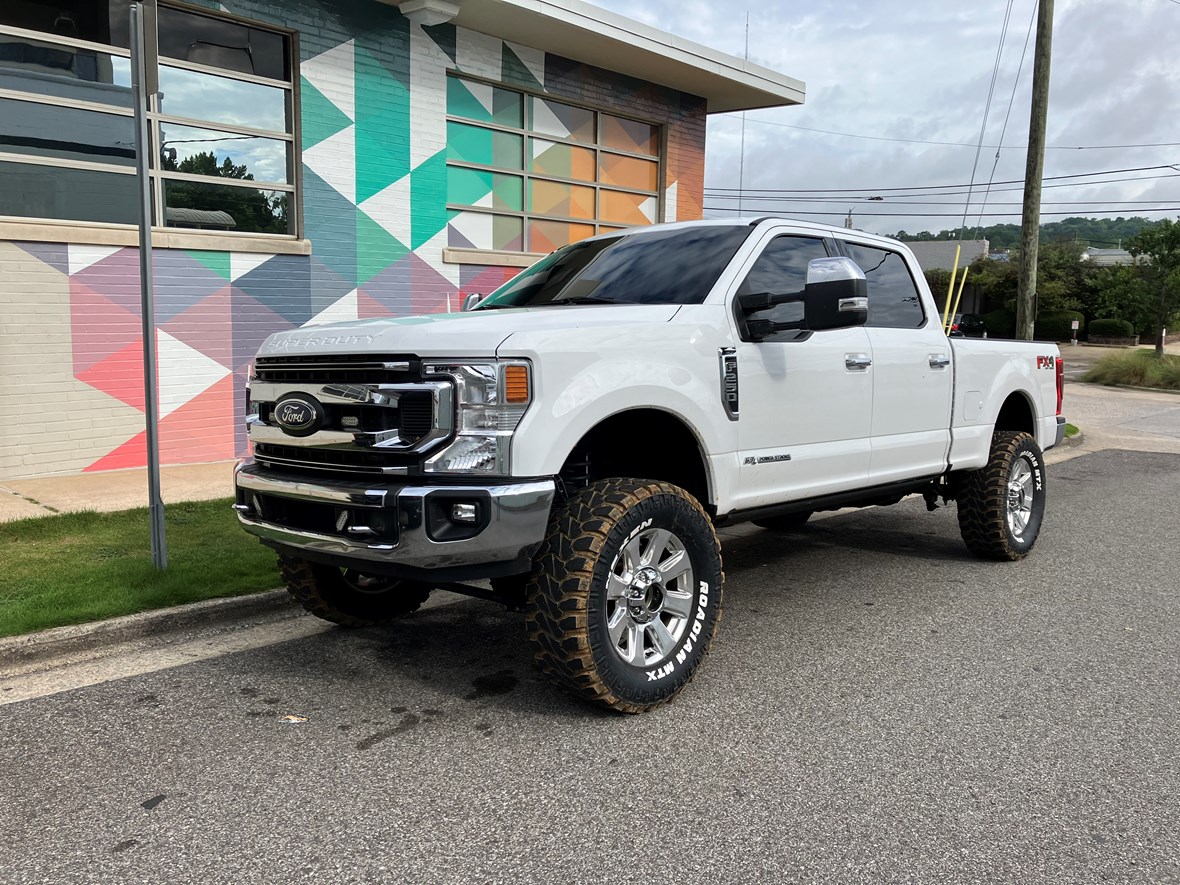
{"x":577,"y":435}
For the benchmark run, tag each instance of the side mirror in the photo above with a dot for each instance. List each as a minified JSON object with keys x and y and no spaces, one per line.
{"x":836,"y":296}
{"x":471,"y":300}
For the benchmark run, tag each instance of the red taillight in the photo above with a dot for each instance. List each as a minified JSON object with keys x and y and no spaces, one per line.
{"x":954,"y":327}
{"x":1061,"y":381}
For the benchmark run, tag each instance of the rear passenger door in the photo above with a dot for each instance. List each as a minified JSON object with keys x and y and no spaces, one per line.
{"x":912,"y":373}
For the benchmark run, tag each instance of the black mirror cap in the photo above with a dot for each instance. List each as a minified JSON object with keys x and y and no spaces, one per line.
{"x":836,"y":296}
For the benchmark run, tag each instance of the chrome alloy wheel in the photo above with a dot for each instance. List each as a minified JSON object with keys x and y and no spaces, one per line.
{"x":1020,"y":495}
{"x":649,"y":598}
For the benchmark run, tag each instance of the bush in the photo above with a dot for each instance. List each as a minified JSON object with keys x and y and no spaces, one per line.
{"x":1139,"y":368}
{"x":1112,"y":329}
{"x":1000,"y":323}
{"x":1058,"y":325}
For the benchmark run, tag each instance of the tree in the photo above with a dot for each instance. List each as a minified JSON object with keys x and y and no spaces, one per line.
{"x":252,"y":210}
{"x":1157,"y":259}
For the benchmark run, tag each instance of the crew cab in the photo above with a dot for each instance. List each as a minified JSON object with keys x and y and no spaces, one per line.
{"x":569,"y":444}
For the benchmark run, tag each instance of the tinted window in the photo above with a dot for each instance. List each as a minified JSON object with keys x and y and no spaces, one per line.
{"x":781,"y":269}
{"x":669,"y":267}
{"x":99,"y":21}
{"x":217,"y":43}
{"x":893,"y":297}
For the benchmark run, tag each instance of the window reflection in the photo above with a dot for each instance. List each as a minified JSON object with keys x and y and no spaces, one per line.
{"x":34,"y":191}
{"x":47,"y":130}
{"x":98,"y":21}
{"x":204,"y":96}
{"x":64,"y":71}
{"x":225,"y":207}
{"x":218,"y":43}
{"x":200,"y":151}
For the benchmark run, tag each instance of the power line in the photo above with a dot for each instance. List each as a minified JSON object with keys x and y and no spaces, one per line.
{"x":1010,"y":147}
{"x":941,"y":214}
{"x":931,"y":187}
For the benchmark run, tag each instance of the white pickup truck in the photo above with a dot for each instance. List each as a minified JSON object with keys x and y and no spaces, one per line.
{"x":576,"y":436}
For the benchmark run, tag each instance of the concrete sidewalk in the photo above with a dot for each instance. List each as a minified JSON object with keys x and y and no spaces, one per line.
{"x":112,"y":490}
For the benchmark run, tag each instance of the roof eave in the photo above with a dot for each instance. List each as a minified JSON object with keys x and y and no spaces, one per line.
{"x":597,"y":37}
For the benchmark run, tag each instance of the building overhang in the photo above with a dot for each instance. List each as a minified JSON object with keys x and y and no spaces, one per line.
{"x":594,"y":36}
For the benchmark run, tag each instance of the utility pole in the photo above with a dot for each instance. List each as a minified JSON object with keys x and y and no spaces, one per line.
{"x":1034,"y":170}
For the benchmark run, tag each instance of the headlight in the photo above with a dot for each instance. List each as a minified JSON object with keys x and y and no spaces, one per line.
{"x":491,"y":399}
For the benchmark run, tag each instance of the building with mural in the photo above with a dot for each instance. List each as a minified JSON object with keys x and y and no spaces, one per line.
{"x":312,"y":161}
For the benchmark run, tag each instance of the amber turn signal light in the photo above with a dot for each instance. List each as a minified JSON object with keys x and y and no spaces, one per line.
{"x":516,"y":384}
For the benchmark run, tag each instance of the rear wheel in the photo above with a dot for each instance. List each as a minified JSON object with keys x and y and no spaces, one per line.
{"x":1002,"y":505}
{"x":625,"y":593}
{"x":348,"y":597}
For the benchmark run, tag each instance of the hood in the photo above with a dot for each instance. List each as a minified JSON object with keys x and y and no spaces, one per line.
{"x":475,"y":333}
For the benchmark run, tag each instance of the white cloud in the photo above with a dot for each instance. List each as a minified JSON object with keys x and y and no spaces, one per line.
{"x":920,"y":70}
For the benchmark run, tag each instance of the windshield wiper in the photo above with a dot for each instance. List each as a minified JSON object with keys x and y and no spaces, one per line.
{"x":583,"y":299}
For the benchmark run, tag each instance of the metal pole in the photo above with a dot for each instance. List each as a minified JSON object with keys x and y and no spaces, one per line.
{"x":1030,"y":224}
{"x":140,"y":98}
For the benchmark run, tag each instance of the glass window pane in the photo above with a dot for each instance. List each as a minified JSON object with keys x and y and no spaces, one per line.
{"x":561,"y":160}
{"x":218,"y":43}
{"x":893,"y":297}
{"x":225,"y":207}
{"x":781,"y":269}
{"x":628,"y":135}
{"x":565,"y":200}
{"x":34,"y":191}
{"x":99,"y":21}
{"x":63,"y":71}
{"x":484,"y":103}
{"x":486,"y":147}
{"x":224,"y":154}
{"x":545,"y":236}
{"x":623,"y":208}
{"x":46,"y":130}
{"x":222,"y":99}
{"x":482,"y":230}
{"x":640,"y":175}
{"x":562,"y":120}
{"x":492,"y":190}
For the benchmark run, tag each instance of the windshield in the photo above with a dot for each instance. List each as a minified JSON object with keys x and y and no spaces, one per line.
{"x":669,"y":267}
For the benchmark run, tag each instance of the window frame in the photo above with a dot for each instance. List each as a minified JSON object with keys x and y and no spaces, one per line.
{"x":158,"y":176}
{"x":527,"y":134}
{"x":786,"y":336}
{"x":869,"y":324}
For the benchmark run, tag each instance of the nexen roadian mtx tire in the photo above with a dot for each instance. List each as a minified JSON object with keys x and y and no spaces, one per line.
{"x":1002,"y":505}
{"x":625,"y":593}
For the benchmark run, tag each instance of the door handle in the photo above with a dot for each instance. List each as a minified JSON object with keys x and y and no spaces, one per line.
{"x":939,"y":360}
{"x":857,"y":361}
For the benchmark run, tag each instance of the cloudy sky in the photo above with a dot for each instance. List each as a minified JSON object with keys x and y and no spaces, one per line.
{"x":920,"y":70}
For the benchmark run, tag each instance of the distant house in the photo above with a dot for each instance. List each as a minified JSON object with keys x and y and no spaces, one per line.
{"x":940,"y":254}
{"x":1107,"y":257}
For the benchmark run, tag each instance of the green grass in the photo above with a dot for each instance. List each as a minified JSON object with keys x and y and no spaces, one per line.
{"x":77,"y":567}
{"x":1139,"y":368}
{"x":1071,"y":430}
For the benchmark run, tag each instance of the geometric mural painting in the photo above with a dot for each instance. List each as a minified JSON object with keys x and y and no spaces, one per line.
{"x":374,"y":190}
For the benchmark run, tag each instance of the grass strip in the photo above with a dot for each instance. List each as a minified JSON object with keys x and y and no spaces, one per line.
{"x":1071,"y":430}
{"x":1138,"y":368}
{"x":78,"y":567}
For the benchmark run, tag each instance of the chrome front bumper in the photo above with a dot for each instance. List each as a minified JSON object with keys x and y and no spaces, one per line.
{"x":393,"y":528}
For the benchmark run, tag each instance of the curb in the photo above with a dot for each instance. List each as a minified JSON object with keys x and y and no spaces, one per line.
{"x":1148,"y":389}
{"x":1073,"y":441}
{"x":61,"y":641}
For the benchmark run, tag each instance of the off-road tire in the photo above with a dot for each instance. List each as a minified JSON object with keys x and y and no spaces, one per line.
{"x":788,"y":523}
{"x":335,"y":595}
{"x":983,"y":499}
{"x":568,"y":606}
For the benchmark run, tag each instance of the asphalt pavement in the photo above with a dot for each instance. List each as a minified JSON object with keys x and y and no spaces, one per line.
{"x":878,"y":707}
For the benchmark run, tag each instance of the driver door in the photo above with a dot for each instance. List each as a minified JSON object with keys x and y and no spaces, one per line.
{"x":806,"y":398}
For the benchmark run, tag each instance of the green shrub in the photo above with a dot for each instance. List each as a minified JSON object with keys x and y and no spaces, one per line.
{"x":1112,"y":328}
{"x":1139,"y":368}
{"x":1058,"y":325}
{"x":1000,"y":323}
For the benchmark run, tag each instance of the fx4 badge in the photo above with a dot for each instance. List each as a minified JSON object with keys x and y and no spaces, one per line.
{"x":1046,"y":362}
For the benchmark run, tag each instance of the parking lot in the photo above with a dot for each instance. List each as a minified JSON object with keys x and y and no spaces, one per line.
{"x":878,"y":706}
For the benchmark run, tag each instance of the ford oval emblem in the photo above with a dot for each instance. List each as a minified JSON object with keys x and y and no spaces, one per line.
{"x":298,"y":415}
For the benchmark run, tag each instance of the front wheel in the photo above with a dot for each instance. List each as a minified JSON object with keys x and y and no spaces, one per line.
{"x":625,"y":593}
{"x":1002,"y":505}
{"x":348,"y":597}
